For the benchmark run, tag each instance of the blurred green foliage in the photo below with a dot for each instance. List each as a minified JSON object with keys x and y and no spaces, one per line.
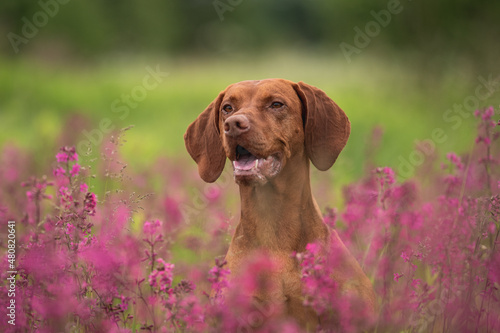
{"x":90,"y":28}
{"x":45,"y":107}
{"x":64,"y":80}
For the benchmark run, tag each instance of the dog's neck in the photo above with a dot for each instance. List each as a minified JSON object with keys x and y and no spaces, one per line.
{"x":281,"y":215}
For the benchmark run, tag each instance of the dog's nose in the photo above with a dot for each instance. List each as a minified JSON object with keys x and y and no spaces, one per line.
{"x":236,"y":125}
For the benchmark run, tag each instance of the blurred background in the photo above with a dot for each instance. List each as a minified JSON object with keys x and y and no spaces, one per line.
{"x":73,"y":72}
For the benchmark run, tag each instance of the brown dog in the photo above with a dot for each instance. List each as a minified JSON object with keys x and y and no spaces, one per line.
{"x":269,"y":130}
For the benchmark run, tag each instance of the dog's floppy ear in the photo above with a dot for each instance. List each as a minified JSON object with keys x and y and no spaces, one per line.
{"x":326,"y":126}
{"x":204,"y":144}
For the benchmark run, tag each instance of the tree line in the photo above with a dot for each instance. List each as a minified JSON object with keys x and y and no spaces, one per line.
{"x":94,"y":27}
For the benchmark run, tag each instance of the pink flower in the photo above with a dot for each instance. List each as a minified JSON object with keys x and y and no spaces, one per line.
{"x":84,"y":188}
{"x":150,"y":227}
{"x":65,"y":196}
{"x":454,"y":159}
{"x":405,"y":256}
{"x":313,"y":248}
{"x":164,"y":273}
{"x":63,"y":190}
{"x":69,"y":228}
{"x":67,"y":154}
{"x":217,"y":276}
{"x":213,"y":193}
{"x":124,"y":303}
{"x":62,"y":157}
{"x":488,"y":113}
{"x":397,"y":276}
{"x":389,"y":175}
{"x":90,"y":203}
{"x":75,"y":170}
{"x":331,"y":217}
{"x":447,"y":225}
{"x":59,"y":171}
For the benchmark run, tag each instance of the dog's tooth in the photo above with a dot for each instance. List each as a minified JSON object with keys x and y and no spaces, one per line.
{"x":256,"y":163}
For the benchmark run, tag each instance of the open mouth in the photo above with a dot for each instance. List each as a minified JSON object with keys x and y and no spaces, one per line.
{"x":248,"y":166}
{"x":245,"y":161}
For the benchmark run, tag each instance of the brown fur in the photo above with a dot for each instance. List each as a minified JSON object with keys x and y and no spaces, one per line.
{"x":278,"y":212}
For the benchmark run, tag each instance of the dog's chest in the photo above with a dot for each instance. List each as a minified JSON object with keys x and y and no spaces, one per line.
{"x":279,"y":272}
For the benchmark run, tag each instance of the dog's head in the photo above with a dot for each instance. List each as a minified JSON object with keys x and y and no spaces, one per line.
{"x":260,"y":125}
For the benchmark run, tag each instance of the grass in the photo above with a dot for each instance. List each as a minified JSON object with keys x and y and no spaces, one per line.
{"x":37,"y":101}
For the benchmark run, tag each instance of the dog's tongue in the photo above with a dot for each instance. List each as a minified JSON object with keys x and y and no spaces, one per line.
{"x":245,"y":162}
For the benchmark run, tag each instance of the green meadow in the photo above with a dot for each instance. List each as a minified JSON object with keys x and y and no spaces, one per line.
{"x":44,"y":103}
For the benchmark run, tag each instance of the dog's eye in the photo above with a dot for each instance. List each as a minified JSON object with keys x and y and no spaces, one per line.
{"x":276,"y":105}
{"x":227,"y":108}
